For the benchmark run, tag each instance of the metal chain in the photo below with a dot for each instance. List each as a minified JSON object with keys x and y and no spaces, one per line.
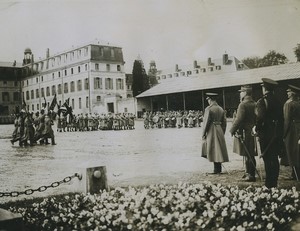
{"x":42,"y":188}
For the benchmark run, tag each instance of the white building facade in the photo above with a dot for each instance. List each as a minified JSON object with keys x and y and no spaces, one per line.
{"x":92,"y":77}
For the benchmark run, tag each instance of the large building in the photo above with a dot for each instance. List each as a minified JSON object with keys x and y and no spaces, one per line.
{"x":92,"y":77}
{"x":10,"y":88}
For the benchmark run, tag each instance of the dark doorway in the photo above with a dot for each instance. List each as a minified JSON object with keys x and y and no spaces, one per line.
{"x":110,"y":107}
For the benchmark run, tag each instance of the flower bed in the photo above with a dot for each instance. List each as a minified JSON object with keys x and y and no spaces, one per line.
{"x":166,"y":207}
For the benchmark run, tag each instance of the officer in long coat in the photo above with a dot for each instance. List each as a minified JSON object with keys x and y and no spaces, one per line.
{"x":291,"y":134}
{"x":269,"y":128}
{"x":214,"y":127}
{"x":242,"y":128}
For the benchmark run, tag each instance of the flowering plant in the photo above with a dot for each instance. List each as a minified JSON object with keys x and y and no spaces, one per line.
{"x":203,"y":206}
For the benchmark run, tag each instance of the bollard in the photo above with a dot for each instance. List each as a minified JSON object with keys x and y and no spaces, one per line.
{"x":10,"y":221}
{"x":94,"y":179}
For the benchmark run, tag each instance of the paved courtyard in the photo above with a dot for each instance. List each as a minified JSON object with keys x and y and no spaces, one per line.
{"x":132,"y":157}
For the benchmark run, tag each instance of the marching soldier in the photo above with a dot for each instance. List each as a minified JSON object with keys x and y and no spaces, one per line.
{"x":269,"y":128}
{"x":214,"y":127}
{"x":242,"y":130}
{"x":291,"y":134}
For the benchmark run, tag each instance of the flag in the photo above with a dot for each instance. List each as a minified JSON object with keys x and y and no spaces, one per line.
{"x":53,"y":103}
{"x":45,"y":104}
{"x":65,"y":109}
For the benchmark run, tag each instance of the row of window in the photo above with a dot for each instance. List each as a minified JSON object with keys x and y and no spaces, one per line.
{"x":80,"y":104}
{"x":66,"y":87}
{"x":187,"y":73}
{"x":71,"y":71}
{"x":6,"y":97}
{"x":8,"y":83}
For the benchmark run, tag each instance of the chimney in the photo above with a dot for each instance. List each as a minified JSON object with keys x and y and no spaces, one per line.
{"x":195,"y":64}
{"x":209,"y":62}
{"x":225,"y":59}
{"x":47,"y":53}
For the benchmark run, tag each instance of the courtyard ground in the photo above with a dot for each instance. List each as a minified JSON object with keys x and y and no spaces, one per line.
{"x":136,"y":157}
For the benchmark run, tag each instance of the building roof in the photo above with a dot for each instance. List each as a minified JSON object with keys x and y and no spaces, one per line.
{"x":10,"y":64}
{"x":211,"y":80}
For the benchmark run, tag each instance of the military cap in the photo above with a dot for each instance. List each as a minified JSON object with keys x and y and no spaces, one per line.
{"x":211,"y":95}
{"x":245,"y":88}
{"x":292,"y":88}
{"x":269,"y":83}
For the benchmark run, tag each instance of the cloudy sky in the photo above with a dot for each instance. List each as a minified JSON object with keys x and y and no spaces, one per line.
{"x":167,"y":31}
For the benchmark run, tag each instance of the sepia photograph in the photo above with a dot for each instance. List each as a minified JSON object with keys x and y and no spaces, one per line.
{"x":171,"y":115}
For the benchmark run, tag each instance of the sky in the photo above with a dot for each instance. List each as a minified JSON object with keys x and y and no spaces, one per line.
{"x":169,"y":32}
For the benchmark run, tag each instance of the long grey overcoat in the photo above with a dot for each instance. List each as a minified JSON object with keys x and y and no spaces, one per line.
{"x":242,"y":124}
{"x":214,"y":127}
{"x":291,"y":135}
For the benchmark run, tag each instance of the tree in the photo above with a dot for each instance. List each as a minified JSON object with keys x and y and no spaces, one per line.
{"x":270,"y":59}
{"x":140,"y":80}
{"x":252,"y":62}
{"x":273,"y":58}
{"x":297,"y":52}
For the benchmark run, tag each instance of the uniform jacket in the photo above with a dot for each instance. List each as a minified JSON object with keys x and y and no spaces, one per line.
{"x":242,"y":124}
{"x":291,"y":135}
{"x":269,"y":125}
{"x":214,"y":127}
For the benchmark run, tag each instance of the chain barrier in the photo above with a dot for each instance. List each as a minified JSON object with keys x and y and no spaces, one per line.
{"x":42,"y":188}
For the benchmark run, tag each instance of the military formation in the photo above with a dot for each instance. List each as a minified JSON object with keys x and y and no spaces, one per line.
{"x":265,"y":128}
{"x":93,"y":122}
{"x":32,"y":128}
{"x":173,"y":119}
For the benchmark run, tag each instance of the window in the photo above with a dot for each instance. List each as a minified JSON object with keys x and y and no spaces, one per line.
{"x":189,"y":72}
{"x":169,"y":75}
{"x":53,"y":76}
{"x":79,"y":53}
{"x":16,"y":84}
{"x":120,"y":84}
{"x":87,"y":102}
{"x":108,"y":84}
{"x":48,"y":91}
{"x":59,"y":89}
{"x":4,"y":83}
{"x":107,"y":67}
{"x":101,"y":51}
{"x":182,"y":73}
{"x":112,"y":52}
{"x":16,"y":96}
{"x":32,"y":107}
{"x":42,"y":92}
{"x":66,"y":88}
{"x":218,"y":67}
{"x":72,"y":86}
{"x":79,"y":103}
{"x":37,"y":107}
{"x":78,"y":69}
{"x":41,"y":77}
{"x":118,"y":68}
{"x":66,"y":72}
{"x":163,"y":76}
{"x":73,"y":104}
{"x":86,"y":84}
{"x":32,"y":94}
{"x":37,"y":93}
{"x":79,"y":85}
{"x":98,"y":98}
{"x":27,"y":95}
{"x":5,"y":96}
{"x":53,"y":89}
{"x":27,"y":82}
{"x":86,"y":51}
{"x":86,"y":67}
{"x":97,"y":67}
{"x":72,"y":71}
{"x":36,"y":79}
{"x":59,"y":74}
{"x":97,"y":83}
